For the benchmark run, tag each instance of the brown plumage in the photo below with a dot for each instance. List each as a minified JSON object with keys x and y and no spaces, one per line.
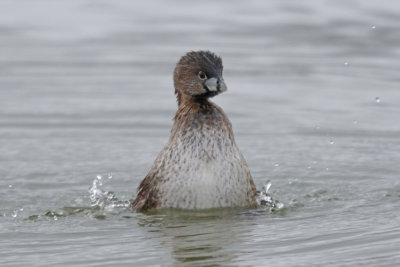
{"x":201,"y":166}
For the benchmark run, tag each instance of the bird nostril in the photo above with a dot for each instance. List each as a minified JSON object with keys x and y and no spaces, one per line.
{"x":218,"y":85}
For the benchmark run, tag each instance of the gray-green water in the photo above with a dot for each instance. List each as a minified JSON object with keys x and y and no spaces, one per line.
{"x":313,"y":96}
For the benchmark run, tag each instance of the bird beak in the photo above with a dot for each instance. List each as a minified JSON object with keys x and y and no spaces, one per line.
{"x":215,"y":84}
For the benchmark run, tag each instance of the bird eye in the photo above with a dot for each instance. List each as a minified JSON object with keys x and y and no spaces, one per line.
{"x":202,"y":75}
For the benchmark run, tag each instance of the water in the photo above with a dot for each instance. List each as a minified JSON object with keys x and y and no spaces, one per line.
{"x":313,"y":96}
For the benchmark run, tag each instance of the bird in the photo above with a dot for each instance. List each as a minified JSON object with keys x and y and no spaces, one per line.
{"x":201,"y":166}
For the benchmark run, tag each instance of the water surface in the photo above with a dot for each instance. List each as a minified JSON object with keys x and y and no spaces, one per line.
{"x":313,"y":96}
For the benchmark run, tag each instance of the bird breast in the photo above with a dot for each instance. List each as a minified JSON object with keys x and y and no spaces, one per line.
{"x":204,"y":169}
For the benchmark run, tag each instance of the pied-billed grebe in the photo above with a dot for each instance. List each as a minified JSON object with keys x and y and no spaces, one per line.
{"x":201,"y":166}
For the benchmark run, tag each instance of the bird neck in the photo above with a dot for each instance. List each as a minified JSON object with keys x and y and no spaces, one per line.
{"x":194,"y":101}
{"x":197,"y":114}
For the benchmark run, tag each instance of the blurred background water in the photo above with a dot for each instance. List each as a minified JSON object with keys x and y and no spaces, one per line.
{"x":313,"y":95}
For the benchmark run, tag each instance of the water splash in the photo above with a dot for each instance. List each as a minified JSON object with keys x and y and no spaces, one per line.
{"x":16,"y":213}
{"x":104,"y":199}
{"x":102,"y":204}
{"x":264,"y":199}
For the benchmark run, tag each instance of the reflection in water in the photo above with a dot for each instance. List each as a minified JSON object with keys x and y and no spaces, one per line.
{"x":201,"y":238}
{"x":206,"y":237}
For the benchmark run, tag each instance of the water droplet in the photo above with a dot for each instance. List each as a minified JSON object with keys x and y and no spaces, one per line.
{"x":309,"y":167}
{"x":331,"y":142}
{"x":373,"y":27}
{"x":267,"y":186}
{"x":15,"y":214}
{"x":55,"y":218}
{"x":276,"y":164}
{"x":110,"y":176}
{"x":99,"y":177}
{"x":346,"y":63}
{"x":10,"y":186}
{"x":377,"y":100}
